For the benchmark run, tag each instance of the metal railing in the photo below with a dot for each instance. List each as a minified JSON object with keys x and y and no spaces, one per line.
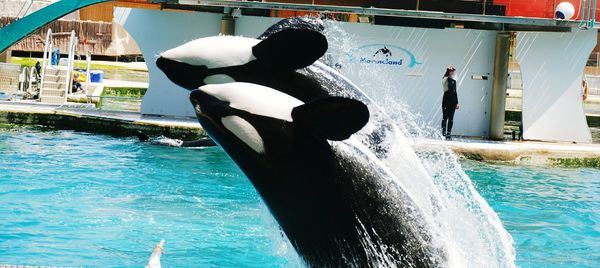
{"x":395,"y":11}
{"x":588,"y":14}
{"x":48,"y":46}
{"x":70,"y":62}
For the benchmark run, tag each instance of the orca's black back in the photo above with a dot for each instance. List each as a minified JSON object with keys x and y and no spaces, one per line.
{"x":333,"y":206}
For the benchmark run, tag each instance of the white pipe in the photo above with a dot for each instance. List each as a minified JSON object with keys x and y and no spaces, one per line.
{"x":88,"y":57}
{"x":31,"y":77}
{"x":69,"y":77}
{"x":22,"y":80}
{"x":46,"y":47}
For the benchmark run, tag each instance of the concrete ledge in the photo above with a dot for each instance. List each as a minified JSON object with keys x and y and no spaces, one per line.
{"x":104,"y":122}
{"x":128,"y":123}
{"x":592,"y":119}
{"x":521,"y":153}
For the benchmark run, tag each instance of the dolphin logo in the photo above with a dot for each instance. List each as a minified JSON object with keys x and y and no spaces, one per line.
{"x":385,"y":51}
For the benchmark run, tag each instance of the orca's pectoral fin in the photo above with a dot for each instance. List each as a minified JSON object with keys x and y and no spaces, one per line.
{"x":291,"y":49}
{"x":332,"y":118}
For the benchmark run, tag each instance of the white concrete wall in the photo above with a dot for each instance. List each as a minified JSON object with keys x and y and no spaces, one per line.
{"x":418,"y":85}
{"x":171,"y":29}
{"x":552,"y":66}
{"x":156,"y":31}
{"x":122,"y":42}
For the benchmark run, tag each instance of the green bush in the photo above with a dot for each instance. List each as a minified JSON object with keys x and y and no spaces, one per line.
{"x":124,"y":91}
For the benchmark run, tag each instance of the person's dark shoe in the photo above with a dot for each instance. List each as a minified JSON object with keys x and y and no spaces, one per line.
{"x":448,"y":136}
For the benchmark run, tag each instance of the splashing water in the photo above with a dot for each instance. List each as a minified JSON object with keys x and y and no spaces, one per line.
{"x":461,"y":220}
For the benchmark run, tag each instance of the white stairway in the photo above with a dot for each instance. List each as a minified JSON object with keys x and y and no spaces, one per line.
{"x":53,"y":90}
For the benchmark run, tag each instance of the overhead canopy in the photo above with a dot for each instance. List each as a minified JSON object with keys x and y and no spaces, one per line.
{"x":22,"y":27}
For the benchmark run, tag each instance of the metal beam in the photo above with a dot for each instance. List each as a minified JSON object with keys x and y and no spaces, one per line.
{"x":371,"y":11}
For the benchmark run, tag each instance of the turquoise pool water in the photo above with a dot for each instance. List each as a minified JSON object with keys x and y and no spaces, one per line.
{"x":72,"y":199}
{"x":552,"y":214}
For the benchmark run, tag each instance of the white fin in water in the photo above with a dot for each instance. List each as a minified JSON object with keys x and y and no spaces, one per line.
{"x":154,"y":261}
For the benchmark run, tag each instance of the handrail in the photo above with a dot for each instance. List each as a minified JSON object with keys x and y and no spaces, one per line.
{"x":47,"y":45}
{"x":32,"y":76}
{"x":593,"y":21}
{"x":588,"y":14}
{"x":88,"y":58}
{"x":70,"y":58}
{"x":23,"y":80}
{"x":375,"y":11}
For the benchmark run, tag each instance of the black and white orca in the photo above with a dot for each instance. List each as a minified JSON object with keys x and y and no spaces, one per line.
{"x":285,"y":58}
{"x":334,"y":200}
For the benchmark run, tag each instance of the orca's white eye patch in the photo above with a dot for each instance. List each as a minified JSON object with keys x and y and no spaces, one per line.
{"x":255,"y":99}
{"x":244,"y":131}
{"x":214,"y":51}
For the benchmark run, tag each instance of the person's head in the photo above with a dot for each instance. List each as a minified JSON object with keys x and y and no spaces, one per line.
{"x":450,"y":71}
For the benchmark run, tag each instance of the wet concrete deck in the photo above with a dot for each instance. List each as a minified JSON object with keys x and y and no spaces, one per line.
{"x":82,"y":117}
{"x":519,"y":152}
{"x":89,"y":119}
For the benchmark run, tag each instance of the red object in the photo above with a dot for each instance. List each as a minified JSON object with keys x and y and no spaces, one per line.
{"x":538,"y":8}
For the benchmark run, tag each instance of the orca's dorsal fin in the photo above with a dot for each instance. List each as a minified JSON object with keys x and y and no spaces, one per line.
{"x":291,"y":49}
{"x":332,"y":118}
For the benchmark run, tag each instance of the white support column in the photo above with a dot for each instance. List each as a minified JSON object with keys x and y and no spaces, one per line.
{"x":552,"y":66}
{"x":498,"y":108}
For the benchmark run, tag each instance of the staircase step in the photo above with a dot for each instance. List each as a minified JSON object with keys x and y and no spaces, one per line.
{"x":55,"y":78}
{"x":53,"y":99}
{"x":55,"y":72}
{"x":54,"y":85}
{"x":53,"y":92}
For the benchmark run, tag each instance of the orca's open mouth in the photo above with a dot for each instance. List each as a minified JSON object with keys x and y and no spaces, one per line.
{"x":184,"y":75}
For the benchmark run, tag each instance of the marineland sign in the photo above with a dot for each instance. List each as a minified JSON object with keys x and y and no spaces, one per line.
{"x":384,"y":54}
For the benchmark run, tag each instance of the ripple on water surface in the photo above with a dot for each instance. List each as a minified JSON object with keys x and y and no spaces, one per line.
{"x":553,"y":214}
{"x":69,"y":198}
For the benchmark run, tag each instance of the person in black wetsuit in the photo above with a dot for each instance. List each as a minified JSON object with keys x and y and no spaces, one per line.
{"x":449,"y":102}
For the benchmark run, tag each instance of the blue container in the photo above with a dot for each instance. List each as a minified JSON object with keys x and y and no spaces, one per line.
{"x":55,"y":57}
{"x":96,"y":76}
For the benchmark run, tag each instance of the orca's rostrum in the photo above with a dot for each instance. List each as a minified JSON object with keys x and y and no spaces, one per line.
{"x":335,"y":202}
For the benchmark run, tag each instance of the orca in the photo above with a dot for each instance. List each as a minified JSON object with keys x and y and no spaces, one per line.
{"x":285,"y":58}
{"x":333,"y":199}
